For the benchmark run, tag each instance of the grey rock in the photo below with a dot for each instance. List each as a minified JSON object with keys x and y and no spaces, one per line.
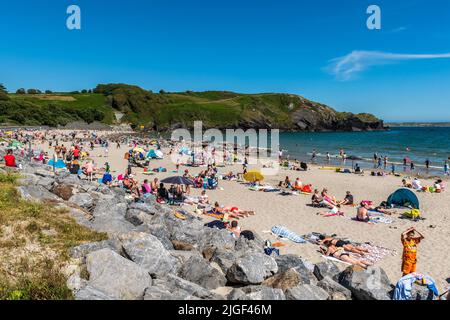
{"x":252,"y":268}
{"x":306,"y":292}
{"x":326,"y":268}
{"x":116,"y":276}
{"x":149,"y":253}
{"x":184,"y":256}
{"x":366,"y":284}
{"x":46,"y":182}
{"x":91,"y":293}
{"x":225,"y":258}
{"x":261,"y":293}
{"x":334,"y":289}
{"x":84,"y":200}
{"x":35,"y":193}
{"x":419,"y":292}
{"x":84,"y":249}
{"x":198,"y":271}
{"x":288,"y":261}
{"x":236,"y":294}
{"x":174,"y":283}
{"x":146,"y":207}
{"x":113,"y":225}
{"x":211,"y":237}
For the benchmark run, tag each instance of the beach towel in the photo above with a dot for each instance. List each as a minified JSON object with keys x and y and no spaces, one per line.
{"x":283,"y":232}
{"x":335,"y":260}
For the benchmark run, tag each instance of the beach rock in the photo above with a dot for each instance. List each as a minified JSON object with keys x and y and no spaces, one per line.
{"x":116,"y":276}
{"x":84,"y":249}
{"x":303,"y":268}
{"x":306,"y":292}
{"x":110,"y":205}
{"x":176,"y":284}
{"x":236,"y":294}
{"x":252,"y":268}
{"x":284,"y":280}
{"x":326,"y":269}
{"x":44,"y":173}
{"x":162,"y":293}
{"x":104,"y":189}
{"x":135,"y":217}
{"x":149,"y":253}
{"x":113,"y":225}
{"x":160,"y":231}
{"x":334,"y":289}
{"x":146,"y":207}
{"x":46,"y":182}
{"x":178,"y":245}
{"x":209,"y":252}
{"x":198,"y":271}
{"x":223,"y":258}
{"x":210,"y":237}
{"x":35,"y":193}
{"x":91,"y":293}
{"x":259,"y":293}
{"x":366,"y":284}
{"x":27,"y":178}
{"x":64,"y":191}
{"x":84,"y":200}
{"x":183,"y":256}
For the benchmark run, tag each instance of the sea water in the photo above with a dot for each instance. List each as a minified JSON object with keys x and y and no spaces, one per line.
{"x":416,"y":143}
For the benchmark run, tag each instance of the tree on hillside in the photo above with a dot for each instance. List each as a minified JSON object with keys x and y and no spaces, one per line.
{"x":33,"y":91}
{"x":162,"y":91}
{"x":84,"y":91}
{"x":3,"y":92}
{"x":21,"y":91}
{"x":48,"y":91}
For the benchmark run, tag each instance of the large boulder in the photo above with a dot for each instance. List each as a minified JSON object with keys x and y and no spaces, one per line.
{"x":303,"y":268}
{"x":366,"y":284}
{"x":257,"y":293}
{"x":198,"y":271}
{"x":144,"y":206}
{"x":91,"y":293}
{"x":116,"y":276}
{"x":419,"y":292}
{"x":84,"y":249}
{"x":252,"y":268}
{"x":306,"y":292}
{"x":149,"y":253}
{"x":35,"y":193}
{"x":285,"y":280}
{"x":178,"y":285}
{"x":334,"y":289}
{"x":84,"y":200}
{"x":64,"y":191}
{"x":326,"y":269}
{"x":211,"y":237}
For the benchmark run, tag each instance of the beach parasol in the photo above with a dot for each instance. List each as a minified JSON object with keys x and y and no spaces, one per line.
{"x":178,"y":180}
{"x":253,"y":176}
{"x":15,"y":143}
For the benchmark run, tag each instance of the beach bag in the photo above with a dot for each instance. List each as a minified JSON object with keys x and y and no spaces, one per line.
{"x":412,"y":214}
{"x":247,"y":234}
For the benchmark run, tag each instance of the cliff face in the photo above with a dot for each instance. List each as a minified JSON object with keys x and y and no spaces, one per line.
{"x":218,"y":109}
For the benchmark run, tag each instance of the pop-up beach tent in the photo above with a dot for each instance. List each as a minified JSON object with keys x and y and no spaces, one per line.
{"x":155,"y":154}
{"x":404,"y":198}
{"x":58,"y":164}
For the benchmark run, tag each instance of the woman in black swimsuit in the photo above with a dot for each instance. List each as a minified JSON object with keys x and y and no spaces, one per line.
{"x":343,"y":244}
{"x":339,"y":253}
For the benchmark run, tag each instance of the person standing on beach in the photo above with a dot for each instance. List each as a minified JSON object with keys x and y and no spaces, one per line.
{"x":328,"y":158}
{"x":446,"y":168}
{"x":313,"y":157}
{"x":412,"y":167}
{"x":375,"y":159}
{"x":385,"y":162}
{"x":410,"y":242}
{"x":427,"y":164}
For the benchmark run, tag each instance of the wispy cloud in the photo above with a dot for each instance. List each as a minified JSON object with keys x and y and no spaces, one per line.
{"x":399,"y":29}
{"x":349,"y":66}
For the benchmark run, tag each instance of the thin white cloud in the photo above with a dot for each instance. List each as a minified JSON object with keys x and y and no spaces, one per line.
{"x":349,"y":66}
{"x":399,"y":29}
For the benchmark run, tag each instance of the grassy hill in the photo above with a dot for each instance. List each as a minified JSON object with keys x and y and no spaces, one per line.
{"x":163,"y":111}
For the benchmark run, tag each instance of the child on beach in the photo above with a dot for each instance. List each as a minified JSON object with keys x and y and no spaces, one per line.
{"x":410,"y":242}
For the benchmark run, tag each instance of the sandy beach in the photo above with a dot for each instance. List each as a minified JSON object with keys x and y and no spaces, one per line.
{"x":294,"y":213}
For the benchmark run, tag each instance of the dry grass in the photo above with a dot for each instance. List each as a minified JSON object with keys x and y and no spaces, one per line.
{"x":35,"y":239}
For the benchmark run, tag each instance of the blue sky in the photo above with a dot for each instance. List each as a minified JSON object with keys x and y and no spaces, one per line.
{"x":245,"y":46}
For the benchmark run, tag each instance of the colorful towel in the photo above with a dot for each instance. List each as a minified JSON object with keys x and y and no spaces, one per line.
{"x":283,"y":232}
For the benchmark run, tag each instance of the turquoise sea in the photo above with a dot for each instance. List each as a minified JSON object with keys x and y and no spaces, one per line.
{"x":431,"y":143}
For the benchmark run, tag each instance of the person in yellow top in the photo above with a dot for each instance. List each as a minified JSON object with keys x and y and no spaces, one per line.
{"x":410,"y":242}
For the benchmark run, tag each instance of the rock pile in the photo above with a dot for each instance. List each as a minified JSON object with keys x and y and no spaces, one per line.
{"x":151,"y":254}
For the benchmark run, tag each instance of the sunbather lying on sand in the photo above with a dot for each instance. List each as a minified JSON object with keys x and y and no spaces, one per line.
{"x":233,"y":212}
{"x":342,"y":244}
{"x":335,"y":211}
{"x":339,"y":253}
